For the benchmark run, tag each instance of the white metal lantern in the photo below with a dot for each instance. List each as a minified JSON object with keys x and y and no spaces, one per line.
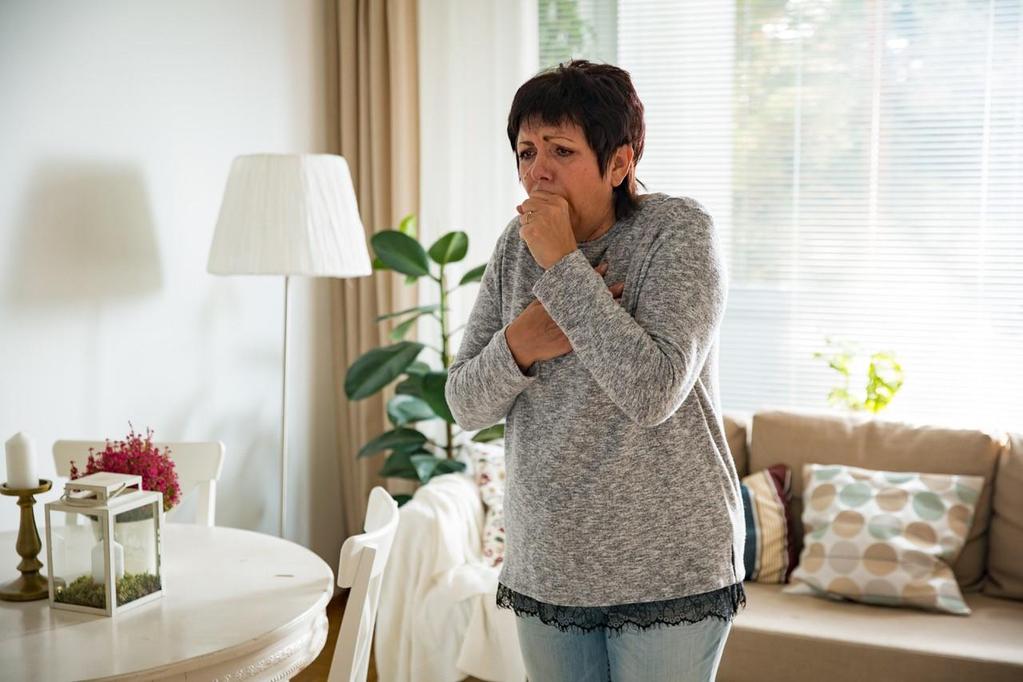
{"x":106,"y":557}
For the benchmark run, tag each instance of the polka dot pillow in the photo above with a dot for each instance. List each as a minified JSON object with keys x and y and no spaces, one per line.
{"x":489,"y":471}
{"x":884,"y":537}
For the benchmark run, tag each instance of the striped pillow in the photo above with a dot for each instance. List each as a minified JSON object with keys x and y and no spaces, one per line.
{"x":770,"y":553}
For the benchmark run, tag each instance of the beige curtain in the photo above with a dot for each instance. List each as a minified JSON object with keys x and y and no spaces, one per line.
{"x":374,"y":124}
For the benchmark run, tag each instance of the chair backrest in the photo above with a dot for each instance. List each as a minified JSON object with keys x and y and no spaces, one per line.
{"x":198,"y":465}
{"x":363,"y":559}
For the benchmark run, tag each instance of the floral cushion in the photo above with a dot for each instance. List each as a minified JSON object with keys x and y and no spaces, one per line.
{"x":770,"y":551}
{"x":489,"y":472}
{"x":884,"y":537}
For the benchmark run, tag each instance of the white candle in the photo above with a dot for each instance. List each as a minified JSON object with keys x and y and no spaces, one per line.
{"x":97,"y":562}
{"x":21,"y":463}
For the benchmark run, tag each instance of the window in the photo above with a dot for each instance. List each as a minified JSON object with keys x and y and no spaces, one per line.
{"x":578,"y":28}
{"x":864,"y":165}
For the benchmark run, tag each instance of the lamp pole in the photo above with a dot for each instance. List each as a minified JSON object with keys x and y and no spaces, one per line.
{"x":284,"y":413}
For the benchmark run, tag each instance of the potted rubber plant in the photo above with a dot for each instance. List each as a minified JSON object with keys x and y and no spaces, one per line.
{"x":419,"y":394}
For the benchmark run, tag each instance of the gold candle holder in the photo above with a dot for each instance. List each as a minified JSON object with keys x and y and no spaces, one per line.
{"x":32,"y":584}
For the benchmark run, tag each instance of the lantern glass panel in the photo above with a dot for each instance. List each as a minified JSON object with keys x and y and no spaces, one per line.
{"x":74,"y":547}
{"x":136,"y":535}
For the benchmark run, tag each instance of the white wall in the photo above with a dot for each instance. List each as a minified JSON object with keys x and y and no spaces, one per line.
{"x":118,"y":124}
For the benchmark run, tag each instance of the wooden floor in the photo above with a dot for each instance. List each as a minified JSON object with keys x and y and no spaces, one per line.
{"x":319,"y":669}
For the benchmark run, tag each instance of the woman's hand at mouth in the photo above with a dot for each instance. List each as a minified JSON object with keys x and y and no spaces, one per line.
{"x":546,"y":227}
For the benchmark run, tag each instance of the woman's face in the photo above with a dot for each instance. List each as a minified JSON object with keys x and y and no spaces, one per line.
{"x":558,"y":159}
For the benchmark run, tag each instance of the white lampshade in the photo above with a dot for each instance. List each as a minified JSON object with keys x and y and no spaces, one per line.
{"x":289,"y":214}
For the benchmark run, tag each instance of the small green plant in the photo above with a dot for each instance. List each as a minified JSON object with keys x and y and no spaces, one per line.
{"x":85,"y":592}
{"x":420,"y":394}
{"x":883,"y":376}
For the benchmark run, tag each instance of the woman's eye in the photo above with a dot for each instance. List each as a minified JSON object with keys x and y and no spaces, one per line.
{"x":561,"y":151}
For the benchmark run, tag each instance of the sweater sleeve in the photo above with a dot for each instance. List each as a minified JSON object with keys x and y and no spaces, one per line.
{"x":484,"y":379}
{"x":647,"y":365}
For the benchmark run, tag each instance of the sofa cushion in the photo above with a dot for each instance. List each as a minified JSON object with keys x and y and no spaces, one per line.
{"x":796,"y":439}
{"x":1005,"y":557}
{"x":769,"y":555}
{"x":489,"y":473}
{"x":735,"y":434}
{"x":884,"y":537}
{"x":784,"y":637}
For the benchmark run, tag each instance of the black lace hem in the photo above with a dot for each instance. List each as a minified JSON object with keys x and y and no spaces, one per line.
{"x":722,"y":604}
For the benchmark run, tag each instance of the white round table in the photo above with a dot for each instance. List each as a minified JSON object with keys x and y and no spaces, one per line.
{"x":237,"y":605}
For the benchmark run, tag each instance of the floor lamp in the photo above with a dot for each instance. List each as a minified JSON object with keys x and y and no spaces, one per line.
{"x":289,"y":214}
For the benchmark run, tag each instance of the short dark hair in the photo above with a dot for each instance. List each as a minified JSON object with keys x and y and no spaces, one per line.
{"x":600,"y":99}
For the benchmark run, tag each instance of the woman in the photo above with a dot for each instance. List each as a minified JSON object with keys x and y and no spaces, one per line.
{"x":623,"y":516}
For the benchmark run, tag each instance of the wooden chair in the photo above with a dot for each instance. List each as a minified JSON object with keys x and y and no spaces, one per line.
{"x":198,"y":465}
{"x":361,"y":568}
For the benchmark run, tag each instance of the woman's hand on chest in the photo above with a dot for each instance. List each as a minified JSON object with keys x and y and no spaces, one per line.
{"x":534,"y":336}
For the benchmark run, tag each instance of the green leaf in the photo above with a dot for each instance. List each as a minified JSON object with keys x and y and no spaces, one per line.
{"x":450,"y":248}
{"x":424,"y":464}
{"x":433,"y":394}
{"x":399,"y":332}
{"x":401,"y":499}
{"x":379,"y":265}
{"x":398,"y":439}
{"x":474,"y":275}
{"x":412,"y":385}
{"x":399,"y":465}
{"x":411,"y":474}
{"x":411,"y":279}
{"x":408,"y":225}
{"x":418,"y":368}
{"x":840,"y":365}
{"x":884,"y":379}
{"x":490,"y":433}
{"x":401,"y":253}
{"x":418,"y":309}
{"x":379,"y":367}
{"x":402,"y":409}
{"x":449,"y":466}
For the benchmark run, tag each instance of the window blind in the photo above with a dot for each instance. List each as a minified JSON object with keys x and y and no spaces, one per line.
{"x":577,"y":28}
{"x":863,"y":163}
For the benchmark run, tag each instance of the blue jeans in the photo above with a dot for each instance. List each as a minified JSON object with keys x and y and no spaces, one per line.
{"x":683,"y":653}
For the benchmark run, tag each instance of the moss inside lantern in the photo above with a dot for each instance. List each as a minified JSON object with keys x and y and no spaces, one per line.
{"x":86,"y":592}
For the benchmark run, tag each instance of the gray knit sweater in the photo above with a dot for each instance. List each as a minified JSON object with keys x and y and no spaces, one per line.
{"x":620,"y":485}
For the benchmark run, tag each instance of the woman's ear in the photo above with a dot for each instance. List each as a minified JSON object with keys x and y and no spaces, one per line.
{"x":621,"y":162}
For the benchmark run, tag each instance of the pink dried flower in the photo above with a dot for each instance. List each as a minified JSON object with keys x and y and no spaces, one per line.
{"x":137,"y":455}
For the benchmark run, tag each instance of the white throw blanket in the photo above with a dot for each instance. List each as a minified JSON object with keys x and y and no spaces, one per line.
{"x":437,"y":620}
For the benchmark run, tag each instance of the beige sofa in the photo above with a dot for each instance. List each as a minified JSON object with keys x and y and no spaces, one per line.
{"x":787,"y":637}
{"x":438,"y":620}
